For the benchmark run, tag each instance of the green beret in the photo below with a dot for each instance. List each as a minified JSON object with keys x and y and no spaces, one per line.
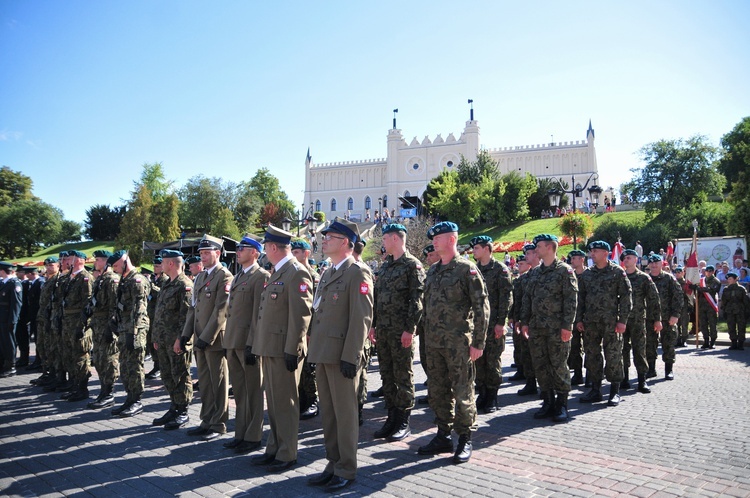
{"x":732,"y":274}
{"x":300,"y":244}
{"x":520,"y":258}
{"x":427,"y":250}
{"x":442,"y":227}
{"x":655,"y":258}
{"x":628,"y":252}
{"x":77,"y":254}
{"x":169,"y":253}
{"x":529,"y":247}
{"x":116,"y":256}
{"x":63,"y":254}
{"x":545,"y":237}
{"x":157,"y":260}
{"x":480,"y":239}
{"x":708,"y":268}
{"x":599,"y":244}
{"x":146,"y":271}
{"x":102,"y":254}
{"x":51,"y":259}
{"x":393,"y":227}
{"x":679,"y":269}
{"x":576,"y":252}
{"x":193,"y":259}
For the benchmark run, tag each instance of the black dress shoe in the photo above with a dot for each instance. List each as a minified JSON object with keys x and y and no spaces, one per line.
{"x":377,"y":394}
{"x":132,"y":410}
{"x":321,"y":479}
{"x":423,"y":400}
{"x":211,"y":435}
{"x":263,"y":459}
{"x":198,"y":431}
{"x":247,"y":446}
{"x":8,"y":373}
{"x":153,"y":374}
{"x":232,"y":443}
{"x":279,"y":466}
{"x":311,"y":412}
{"x":337,"y":484}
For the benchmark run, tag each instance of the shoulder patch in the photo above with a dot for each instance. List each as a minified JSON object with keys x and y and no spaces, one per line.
{"x":472,"y":271}
{"x":364,"y":288}
{"x":138,"y":280}
{"x":570,"y":270}
{"x":18,"y":288}
{"x":227,"y":287}
{"x":188,"y":288}
{"x":303,"y":288}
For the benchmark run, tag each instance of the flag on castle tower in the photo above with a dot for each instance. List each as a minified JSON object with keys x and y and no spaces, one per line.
{"x":308,"y":159}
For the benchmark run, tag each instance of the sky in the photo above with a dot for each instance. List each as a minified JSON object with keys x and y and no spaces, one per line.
{"x":90,"y":91}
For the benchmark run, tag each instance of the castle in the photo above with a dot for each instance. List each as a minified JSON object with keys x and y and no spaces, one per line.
{"x":359,"y":188}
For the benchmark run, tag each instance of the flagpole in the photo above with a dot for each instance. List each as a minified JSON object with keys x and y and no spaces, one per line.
{"x":697,"y":299}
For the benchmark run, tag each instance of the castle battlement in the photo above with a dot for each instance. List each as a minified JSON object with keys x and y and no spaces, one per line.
{"x":361,"y":162}
{"x":532,"y":147}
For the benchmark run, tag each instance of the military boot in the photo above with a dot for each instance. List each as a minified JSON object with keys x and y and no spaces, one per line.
{"x":128,"y":401}
{"x":180,"y":419}
{"x":642,"y":387}
{"x":668,"y":374}
{"x":360,"y":406}
{"x":170,"y":415}
{"x":529,"y":388}
{"x":388,"y":427}
{"x":577,"y":378}
{"x":441,"y":443}
{"x":82,"y":391}
{"x":482,"y":398}
{"x":105,"y":399}
{"x":134,"y":409}
{"x":518,"y":375}
{"x":625,"y":382}
{"x":65,"y":386}
{"x":402,"y":429}
{"x":548,"y":406}
{"x":58,"y":381}
{"x":463,"y":449}
{"x":651,"y":369}
{"x":594,"y":394}
{"x":587,"y":381}
{"x":561,"y":408}
{"x":41,"y":380}
{"x":490,"y":405}
{"x":614,"y":394}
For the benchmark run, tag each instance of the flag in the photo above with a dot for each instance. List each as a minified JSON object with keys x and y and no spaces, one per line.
{"x":617,"y":252}
{"x":692,"y":272}
{"x":308,"y":159}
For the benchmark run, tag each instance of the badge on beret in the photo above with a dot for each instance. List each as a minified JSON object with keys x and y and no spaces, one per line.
{"x":303,"y":288}
{"x":364,"y":288}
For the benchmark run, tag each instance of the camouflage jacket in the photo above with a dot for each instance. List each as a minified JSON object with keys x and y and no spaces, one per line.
{"x":550,"y":297}
{"x":519,"y":286}
{"x":172,"y":304}
{"x":456,"y":307}
{"x":131,"y":313}
{"x":646,"y":305}
{"x":500,"y":289}
{"x":398,"y":294}
{"x":734,"y":299}
{"x":104,"y":295}
{"x":45,"y":298}
{"x":712,"y":287}
{"x":76,"y":292}
{"x":670,"y":295}
{"x":155,"y":288}
{"x":604,"y":295}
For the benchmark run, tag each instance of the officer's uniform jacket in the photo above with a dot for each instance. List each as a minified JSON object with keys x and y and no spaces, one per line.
{"x":207,"y":316}
{"x":11,"y":299}
{"x":242,"y":310}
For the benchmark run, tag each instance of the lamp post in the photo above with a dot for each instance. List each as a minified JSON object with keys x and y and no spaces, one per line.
{"x":556,"y":193}
{"x":312,"y":223}
{"x":595,"y":190}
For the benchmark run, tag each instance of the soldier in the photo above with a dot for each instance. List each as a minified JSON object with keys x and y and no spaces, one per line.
{"x":205,"y":320}
{"x":195,"y":266}
{"x":431,"y":257}
{"x":343,"y":314}
{"x":24,"y":320}
{"x":101,"y":308}
{"x":604,"y":304}
{"x":283,"y":319}
{"x":367,"y":350}
{"x":489,"y":367}
{"x":244,"y":367}
{"x":308,"y":390}
{"x":513,"y":316}
{"x":524,"y":344}
{"x":456,"y":311}
{"x":11,"y":299}
{"x":708,"y":311}
{"x":685,"y":314}
{"x":576,"y":259}
{"x":547,"y":315}
{"x":130,"y":324}
{"x":52,"y":273}
{"x":35,"y":291}
{"x":671,"y":301}
{"x":646,"y":309}
{"x":76,"y":293}
{"x":397,"y":311}
{"x":158,"y":279}
{"x":170,"y":313}
{"x":734,"y":304}
{"x":54,"y":343}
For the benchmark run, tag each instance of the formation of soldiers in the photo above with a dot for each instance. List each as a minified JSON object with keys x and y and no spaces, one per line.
{"x":304,"y":339}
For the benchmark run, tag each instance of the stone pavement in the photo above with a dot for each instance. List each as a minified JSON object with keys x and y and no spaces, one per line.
{"x":689,"y":437}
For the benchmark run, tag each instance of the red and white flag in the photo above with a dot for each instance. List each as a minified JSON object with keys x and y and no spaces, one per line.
{"x":617,"y":252}
{"x":692,"y":272}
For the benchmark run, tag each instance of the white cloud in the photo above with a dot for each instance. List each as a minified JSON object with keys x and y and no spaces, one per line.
{"x":6,"y":135}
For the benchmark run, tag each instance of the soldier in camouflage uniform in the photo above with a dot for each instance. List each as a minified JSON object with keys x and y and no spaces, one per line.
{"x":513,"y":316}
{"x":524,"y":280}
{"x":685,"y":315}
{"x":131,"y":319}
{"x":359,"y":247}
{"x":397,"y":311}
{"x":646,"y":309}
{"x":105,"y":353}
{"x":308,"y":390}
{"x":500,"y":290}
{"x":734,"y":304}
{"x":604,"y":304}
{"x":53,"y":344}
{"x":172,"y":303}
{"x":49,"y":374}
{"x":456,"y":311}
{"x":548,"y":312}
{"x":576,"y":259}
{"x":707,"y":315}
{"x":671,"y":302}
{"x":76,"y":335}
{"x":430,"y":257}
{"x":158,"y":279}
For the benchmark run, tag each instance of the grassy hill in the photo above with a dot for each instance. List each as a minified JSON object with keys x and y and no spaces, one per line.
{"x":88,"y":247}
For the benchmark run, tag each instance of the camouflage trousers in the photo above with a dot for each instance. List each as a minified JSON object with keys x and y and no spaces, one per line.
{"x":635,"y":338}
{"x":131,"y":371}
{"x":516,"y":349}
{"x":150,"y":348}
{"x":524,"y":345}
{"x":667,"y":337}
{"x":550,"y":356}
{"x":683,"y":324}
{"x":490,"y":366}
{"x":53,"y":346}
{"x":451,"y":373}
{"x":708,"y":318}
{"x":175,"y":373}
{"x":598,"y":336}
{"x":41,"y":341}
{"x":362,"y":384}
{"x":308,"y":389}
{"x":423,"y":353}
{"x":737,"y":324}
{"x":575,"y":360}
{"x":106,"y":355}
{"x":77,"y":356}
{"x":395,"y":369}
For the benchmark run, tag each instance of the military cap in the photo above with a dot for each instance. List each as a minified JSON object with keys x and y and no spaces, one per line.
{"x":655,"y":258}
{"x":480,"y":239}
{"x":208,"y":242}
{"x":732,"y":274}
{"x":363,"y":242}
{"x":708,"y":268}
{"x":678,"y":269}
{"x":520,"y":258}
{"x":4,"y":265}
{"x":157,"y":260}
{"x":393,"y":227}
{"x":30,"y":269}
{"x":51,"y":259}
{"x":170,"y":253}
{"x":442,"y":227}
{"x":275,"y":234}
{"x":99,"y":253}
{"x":300,"y":244}
{"x":117,"y":256}
{"x":63,"y":254}
{"x":345,"y":228}
{"x":545,"y":237}
{"x":146,"y":271}
{"x":576,"y":252}
{"x":193,"y":259}
{"x":77,"y":254}
{"x":529,"y":247}
{"x":599,"y":244}
{"x":427,"y":250}
{"x":628,"y":252}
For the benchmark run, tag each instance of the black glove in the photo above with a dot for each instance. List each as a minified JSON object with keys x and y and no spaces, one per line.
{"x":348,"y":370}
{"x":312,"y":366}
{"x":201,"y":344}
{"x":250,"y":358}
{"x":183,"y":343}
{"x":130,"y":342}
{"x":108,"y":336}
{"x":291,"y":362}
{"x":79,"y":331}
{"x":694,"y":287}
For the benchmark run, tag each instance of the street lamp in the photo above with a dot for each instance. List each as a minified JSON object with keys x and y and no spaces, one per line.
{"x":286,"y":223}
{"x":595,"y":190}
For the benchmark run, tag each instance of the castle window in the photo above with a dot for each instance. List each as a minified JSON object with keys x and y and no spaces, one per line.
{"x":415,"y":166}
{"x":368,"y":203}
{"x":450,"y":164}
{"x":350,"y":204}
{"x":317,"y":204}
{"x":385,"y":201}
{"x":333,"y":205}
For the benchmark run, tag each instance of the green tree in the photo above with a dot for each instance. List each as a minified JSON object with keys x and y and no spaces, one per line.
{"x":26,"y":225}
{"x":539,"y":200}
{"x":14,"y":186}
{"x":515,"y":203}
{"x":676,"y":174}
{"x":475,"y":172}
{"x":135,"y":225}
{"x":155,"y":180}
{"x":735,"y":164}
{"x":268,"y":189}
{"x":103,"y":222}
{"x":205,"y":204}
{"x":247,"y":208}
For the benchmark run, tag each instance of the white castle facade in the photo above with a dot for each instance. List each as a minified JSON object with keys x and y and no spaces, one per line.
{"x":359,"y":188}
